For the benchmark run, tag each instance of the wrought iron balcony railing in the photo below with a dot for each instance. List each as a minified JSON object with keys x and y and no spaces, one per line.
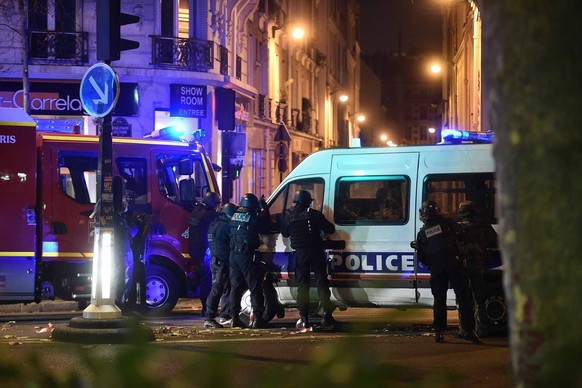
{"x":58,"y":47}
{"x":223,"y":60}
{"x":182,"y":53}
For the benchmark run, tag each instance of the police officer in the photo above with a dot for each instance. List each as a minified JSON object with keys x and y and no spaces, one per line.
{"x":135,"y":298}
{"x":219,"y":240}
{"x":200,"y":219}
{"x":438,"y":248}
{"x":245,"y":227}
{"x":477,"y":238}
{"x":123,"y":233}
{"x":304,"y":226}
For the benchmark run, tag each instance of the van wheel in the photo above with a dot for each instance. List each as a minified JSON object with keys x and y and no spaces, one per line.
{"x":272,"y":306}
{"x":495,"y":309}
{"x":161,"y":290}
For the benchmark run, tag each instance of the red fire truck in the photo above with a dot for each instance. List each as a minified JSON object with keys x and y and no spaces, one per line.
{"x":48,"y":192}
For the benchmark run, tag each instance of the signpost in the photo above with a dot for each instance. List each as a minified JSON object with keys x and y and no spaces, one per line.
{"x":99,"y":92}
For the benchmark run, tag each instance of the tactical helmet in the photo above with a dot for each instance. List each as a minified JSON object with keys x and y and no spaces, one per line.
{"x":467,"y":210}
{"x":250,"y":201}
{"x":211,"y":199}
{"x":302,"y":197}
{"x":229,"y":209}
{"x":429,"y":210}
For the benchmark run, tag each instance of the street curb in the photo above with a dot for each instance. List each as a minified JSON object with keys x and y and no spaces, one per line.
{"x":46,"y":306}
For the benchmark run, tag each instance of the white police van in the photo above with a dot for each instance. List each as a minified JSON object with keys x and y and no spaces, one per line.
{"x":372,"y":195}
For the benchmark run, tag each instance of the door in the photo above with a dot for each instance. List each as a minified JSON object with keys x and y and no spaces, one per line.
{"x":372,"y":197}
{"x":18,"y":269}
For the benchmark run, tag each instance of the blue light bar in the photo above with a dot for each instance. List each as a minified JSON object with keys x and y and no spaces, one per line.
{"x":457,"y":136}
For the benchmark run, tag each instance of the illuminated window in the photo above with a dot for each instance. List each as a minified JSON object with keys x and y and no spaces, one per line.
{"x":372,"y":200}
{"x":78,"y":176}
{"x":449,"y":190}
{"x":284,"y":199}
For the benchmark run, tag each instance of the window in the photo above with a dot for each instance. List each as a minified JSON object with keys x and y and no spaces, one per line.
{"x":284,"y":199}
{"x":78,"y":176}
{"x":133,"y":170}
{"x":179,"y":182}
{"x":449,"y":190}
{"x":379,"y":200}
{"x":423,"y":134}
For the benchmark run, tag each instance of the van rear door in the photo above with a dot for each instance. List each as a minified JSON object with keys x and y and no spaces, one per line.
{"x":373,"y":197}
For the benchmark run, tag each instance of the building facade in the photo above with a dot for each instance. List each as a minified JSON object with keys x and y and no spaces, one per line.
{"x":229,"y":69}
{"x":464,"y":105}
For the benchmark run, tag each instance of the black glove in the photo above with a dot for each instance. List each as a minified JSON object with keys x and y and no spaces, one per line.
{"x":263,"y":203}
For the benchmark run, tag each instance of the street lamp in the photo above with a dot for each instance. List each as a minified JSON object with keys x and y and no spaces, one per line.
{"x":297,"y":31}
{"x":360,"y":117}
{"x":436,"y":68}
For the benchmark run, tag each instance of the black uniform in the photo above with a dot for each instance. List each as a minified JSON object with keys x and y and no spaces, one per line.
{"x":124,"y":260}
{"x":135,"y":294}
{"x":244,"y":240}
{"x":199,"y":222}
{"x":304,"y":226}
{"x":477,"y":238}
{"x":437,"y":247}
{"x":219,"y":240}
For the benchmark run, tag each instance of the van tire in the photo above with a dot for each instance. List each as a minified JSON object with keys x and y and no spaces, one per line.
{"x":495,"y":309}
{"x":162,"y":290}
{"x":272,"y":306}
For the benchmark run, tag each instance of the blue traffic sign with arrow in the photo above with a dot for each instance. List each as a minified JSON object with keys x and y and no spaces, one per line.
{"x":99,"y":90}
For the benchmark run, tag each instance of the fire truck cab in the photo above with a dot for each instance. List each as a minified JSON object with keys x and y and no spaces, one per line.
{"x":48,"y":193}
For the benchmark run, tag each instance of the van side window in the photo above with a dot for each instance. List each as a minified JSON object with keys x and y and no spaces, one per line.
{"x":449,"y":190}
{"x":78,"y":176}
{"x":133,"y":170}
{"x":170,"y":181}
{"x":380,"y":200}
{"x":284,"y":199}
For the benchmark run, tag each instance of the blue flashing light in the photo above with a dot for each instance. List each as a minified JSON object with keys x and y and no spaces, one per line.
{"x":173,"y":132}
{"x":457,"y":136}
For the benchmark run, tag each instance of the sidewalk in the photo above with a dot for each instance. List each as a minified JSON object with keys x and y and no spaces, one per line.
{"x":60,"y":306}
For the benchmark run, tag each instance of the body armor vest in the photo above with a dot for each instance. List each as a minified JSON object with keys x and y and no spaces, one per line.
{"x":303,"y":233}
{"x":219,"y":237}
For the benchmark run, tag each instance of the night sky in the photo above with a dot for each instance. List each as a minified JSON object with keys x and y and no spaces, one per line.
{"x":380,"y":21}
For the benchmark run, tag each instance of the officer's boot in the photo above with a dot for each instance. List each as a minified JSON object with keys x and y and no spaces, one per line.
{"x":438,"y":336}
{"x":259,"y":322}
{"x":236,"y":322}
{"x":328,"y":321}
{"x":303,"y":322}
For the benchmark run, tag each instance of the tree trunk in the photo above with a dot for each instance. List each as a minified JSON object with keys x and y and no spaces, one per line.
{"x":23,"y":15}
{"x":532,"y":60}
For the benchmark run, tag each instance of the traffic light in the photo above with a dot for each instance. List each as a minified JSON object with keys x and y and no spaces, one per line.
{"x":234,"y":168}
{"x":109,"y":22}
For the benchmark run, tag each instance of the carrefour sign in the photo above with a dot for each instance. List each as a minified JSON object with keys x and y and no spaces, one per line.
{"x":188,"y":100}
{"x":62,"y":98}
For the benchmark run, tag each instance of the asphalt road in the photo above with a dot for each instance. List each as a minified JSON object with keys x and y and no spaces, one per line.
{"x":375,"y":347}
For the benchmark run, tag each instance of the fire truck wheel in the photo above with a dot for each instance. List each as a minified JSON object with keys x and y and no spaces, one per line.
{"x":161,"y":290}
